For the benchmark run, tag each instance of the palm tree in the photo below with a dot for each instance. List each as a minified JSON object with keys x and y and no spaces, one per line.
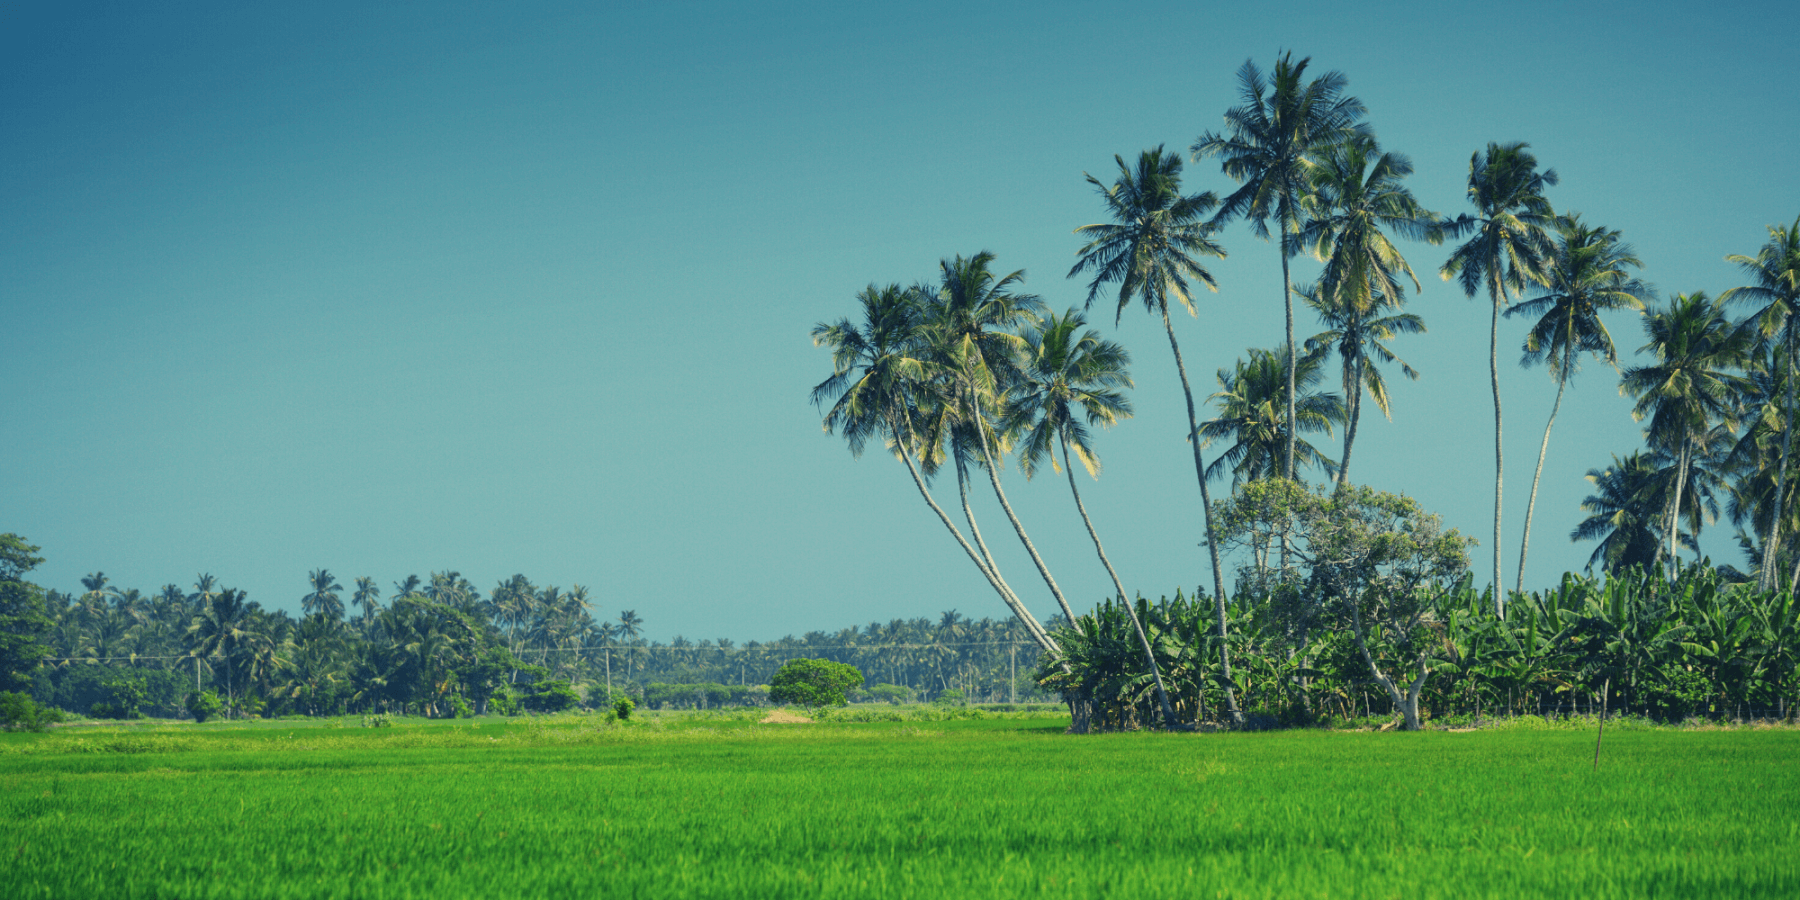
{"x":1755,"y":462}
{"x":979,"y":361}
{"x":1690,"y":386}
{"x":1252,"y":414}
{"x":1149,"y":250}
{"x":367,"y":597}
{"x":1066,"y":368}
{"x":324,"y":597}
{"x":223,"y":631}
{"x":1509,"y":247}
{"x":879,"y":389}
{"x":1356,"y":330}
{"x":1587,"y":276}
{"x":1623,"y":511}
{"x":1775,"y":283}
{"x":1272,"y":143}
{"x":630,"y":626}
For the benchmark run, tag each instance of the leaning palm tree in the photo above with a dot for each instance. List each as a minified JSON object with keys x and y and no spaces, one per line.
{"x":1272,"y":143}
{"x":1775,"y":283}
{"x":1509,"y":248}
{"x":1357,"y":331}
{"x":324,"y":597}
{"x":1691,"y":386}
{"x":1587,"y":276}
{"x":882,"y":387}
{"x":1754,"y":463}
{"x":977,"y":361}
{"x":1068,"y":369}
{"x":1253,"y":416}
{"x":1150,"y":250}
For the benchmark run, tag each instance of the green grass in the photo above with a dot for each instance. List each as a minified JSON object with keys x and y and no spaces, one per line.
{"x":718,"y":806}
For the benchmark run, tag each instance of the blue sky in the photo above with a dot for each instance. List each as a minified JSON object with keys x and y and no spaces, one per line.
{"x":500,"y":290}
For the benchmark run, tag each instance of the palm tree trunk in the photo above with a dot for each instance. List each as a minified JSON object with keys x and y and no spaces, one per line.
{"x":1006,"y":595}
{"x":1352,"y":396}
{"x":1287,"y":304}
{"x":962,"y":490}
{"x":1525,"y":542}
{"x":1497,"y":291}
{"x":1771,"y":543}
{"x":1681,"y":467}
{"x":1212,"y":544}
{"x":993,"y":471}
{"x":1162,"y":694}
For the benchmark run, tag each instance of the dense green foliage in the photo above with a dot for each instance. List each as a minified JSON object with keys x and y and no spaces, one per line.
{"x":1698,"y":647}
{"x":814,"y":683}
{"x":984,"y":807}
{"x":22,"y":619}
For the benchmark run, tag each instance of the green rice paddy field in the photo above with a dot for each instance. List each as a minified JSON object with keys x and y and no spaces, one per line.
{"x":1000,"y":807}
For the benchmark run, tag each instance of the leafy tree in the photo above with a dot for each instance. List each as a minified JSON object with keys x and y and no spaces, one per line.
{"x":1381,"y":565}
{"x":23,"y":623}
{"x":1151,"y":250}
{"x":813,"y":683}
{"x":1510,"y":246}
{"x":19,"y":713}
{"x":1586,"y":274}
{"x":1273,"y":142}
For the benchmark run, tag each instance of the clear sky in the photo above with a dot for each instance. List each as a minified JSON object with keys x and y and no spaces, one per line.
{"x":395,"y":288}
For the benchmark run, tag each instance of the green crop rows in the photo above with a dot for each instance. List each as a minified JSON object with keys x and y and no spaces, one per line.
{"x":992,"y":808}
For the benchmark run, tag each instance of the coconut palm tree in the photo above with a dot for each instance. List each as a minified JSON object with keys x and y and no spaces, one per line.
{"x":1754,"y":462}
{"x":1587,"y":275}
{"x":1357,"y":331}
{"x":1623,"y":512}
{"x":1775,"y":283}
{"x":1151,"y":250}
{"x":324,"y":597}
{"x":1065,"y":369}
{"x":224,"y":631}
{"x":1272,"y":143}
{"x":1252,"y":414}
{"x":979,"y":362}
{"x":1691,"y":385}
{"x":1509,"y":247}
{"x":367,"y":598}
{"x":884,"y":386}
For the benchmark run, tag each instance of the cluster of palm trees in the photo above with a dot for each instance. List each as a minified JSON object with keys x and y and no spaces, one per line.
{"x":435,"y":639}
{"x":1717,"y":400}
{"x":959,"y":371}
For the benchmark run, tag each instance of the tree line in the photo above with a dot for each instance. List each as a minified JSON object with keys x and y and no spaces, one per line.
{"x":962,"y":372}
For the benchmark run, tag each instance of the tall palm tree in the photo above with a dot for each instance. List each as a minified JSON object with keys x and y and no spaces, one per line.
{"x":1587,"y":275}
{"x":980,"y":361}
{"x":1775,"y":283}
{"x":1357,"y":331}
{"x":324,"y":597}
{"x":367,"y":598}
{"x":1509,"y":247}
{"x":1150,"y":250}
{"x":1272,"y":143}
{"x":1754,"y":462}
{"x":881,"y":372}
{"x":630,"y":627}
{"x":1623,"y":512}
{"x":1065,"y":369}
{"x":224,"y":631}
{"x":1252,"y":414}
{"x":1690,"y":386}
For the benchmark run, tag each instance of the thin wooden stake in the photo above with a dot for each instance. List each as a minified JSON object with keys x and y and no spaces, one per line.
{"x":1602,"y":732}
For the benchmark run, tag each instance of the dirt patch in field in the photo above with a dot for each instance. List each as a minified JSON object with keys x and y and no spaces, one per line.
{"x":783,"y":717}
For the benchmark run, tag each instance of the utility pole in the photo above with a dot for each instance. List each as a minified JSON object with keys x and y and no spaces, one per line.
{"x":1012,"y":679}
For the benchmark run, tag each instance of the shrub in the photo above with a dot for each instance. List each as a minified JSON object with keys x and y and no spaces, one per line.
{"x":203,"y":705}
{"x":951,"y":697}
{"x":19,"y":713}
{"x":813,"y":683}
{"x":622,"y":708}
{"x":550,"y":696}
